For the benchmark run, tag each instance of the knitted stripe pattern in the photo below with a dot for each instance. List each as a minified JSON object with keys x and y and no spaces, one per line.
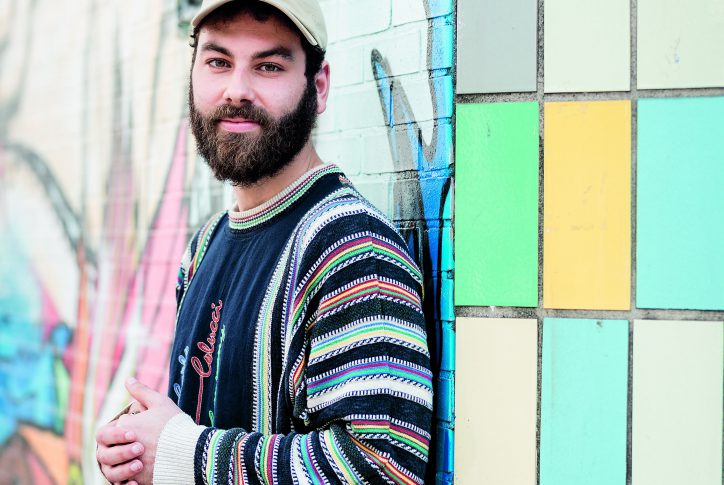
{"x":351,"y":401}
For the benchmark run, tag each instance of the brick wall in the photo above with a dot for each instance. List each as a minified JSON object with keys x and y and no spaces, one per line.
{"x":100,"y":188}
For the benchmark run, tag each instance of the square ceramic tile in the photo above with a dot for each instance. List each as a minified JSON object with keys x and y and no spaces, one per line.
{"x":584,"y":400}
{"x":680,"y":202}
{"x":680,"y":44}
{"x":496,"y":401}
{"x":497,"y":45}
{"x":587,"y":45}
{"x":587,"y":206}
{"x":496,"y":205}
{"x":677,"y":403}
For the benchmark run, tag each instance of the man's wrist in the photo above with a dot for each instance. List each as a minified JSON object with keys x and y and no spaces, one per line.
{"x":174,"y":464}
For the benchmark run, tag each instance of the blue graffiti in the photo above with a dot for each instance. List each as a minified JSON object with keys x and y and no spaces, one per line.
{"x":28,"y":361}
{"x":423,"y":210}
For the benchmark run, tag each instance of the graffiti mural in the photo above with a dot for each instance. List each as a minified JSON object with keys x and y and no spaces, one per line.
{"x":93,"y":213}
{"x":100,"y":187}
{"x":422,"y":196}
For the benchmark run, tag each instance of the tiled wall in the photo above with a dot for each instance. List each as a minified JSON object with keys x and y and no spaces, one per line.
{"x":589,"y":242}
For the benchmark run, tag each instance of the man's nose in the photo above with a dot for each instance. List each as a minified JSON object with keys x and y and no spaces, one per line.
{"x":239,"y":88}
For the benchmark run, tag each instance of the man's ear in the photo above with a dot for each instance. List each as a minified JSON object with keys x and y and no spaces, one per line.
{"x":321,"y":83}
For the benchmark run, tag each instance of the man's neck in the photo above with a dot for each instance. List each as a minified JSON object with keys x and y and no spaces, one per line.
{"x":248,"y":197}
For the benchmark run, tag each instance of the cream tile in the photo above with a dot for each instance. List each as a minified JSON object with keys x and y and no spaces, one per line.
{"x":677,"y":403}
{"x":587,"y":45}
{"x":495,"y":401}
{"x":680,"y":44}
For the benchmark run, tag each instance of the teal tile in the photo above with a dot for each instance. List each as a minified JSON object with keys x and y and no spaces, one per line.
{"x":584,"y":402}
{"x":680,"y":204}
{"x":496,"y":205}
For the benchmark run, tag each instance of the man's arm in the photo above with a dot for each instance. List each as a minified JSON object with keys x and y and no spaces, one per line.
{"x":360,"y":383}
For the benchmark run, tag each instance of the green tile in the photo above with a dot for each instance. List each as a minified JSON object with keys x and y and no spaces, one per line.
{"x":584,"y":396}
{"x":680,"y":202}
{"x":496,"y":205}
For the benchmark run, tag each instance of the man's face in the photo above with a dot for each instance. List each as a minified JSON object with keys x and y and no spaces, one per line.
{"x":251,"y":107}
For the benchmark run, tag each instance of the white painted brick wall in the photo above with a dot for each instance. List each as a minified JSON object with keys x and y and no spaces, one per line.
{"x":405,"y":11}
{"x":376,"y":151}
{"x":377,"y":189}
{"x":402,"y":47}
{"x":348,"y":61}
{"x":357,"y":107}
{"x":353,"y":133}
{"x":354,"y":18}
{"x":345,"y":150}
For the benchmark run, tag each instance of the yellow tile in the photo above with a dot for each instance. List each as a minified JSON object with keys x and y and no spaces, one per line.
{"x":587,"y":205}
{"x":495,"y":401}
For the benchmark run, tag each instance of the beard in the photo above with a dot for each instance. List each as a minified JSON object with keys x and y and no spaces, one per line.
{"x":246,"y":158}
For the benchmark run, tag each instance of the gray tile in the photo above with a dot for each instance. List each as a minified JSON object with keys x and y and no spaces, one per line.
{"x":496,"y":46}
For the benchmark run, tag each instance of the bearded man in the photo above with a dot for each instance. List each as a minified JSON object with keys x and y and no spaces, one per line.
{"x":300,"y":353}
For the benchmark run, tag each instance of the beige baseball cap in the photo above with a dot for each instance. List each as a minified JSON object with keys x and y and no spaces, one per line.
{"x":306,"y":15}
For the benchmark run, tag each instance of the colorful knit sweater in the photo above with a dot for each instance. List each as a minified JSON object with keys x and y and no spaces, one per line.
{"x":337,"y":386}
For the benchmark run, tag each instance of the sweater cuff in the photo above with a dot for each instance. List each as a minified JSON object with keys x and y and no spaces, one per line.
{"x":175,"y":451}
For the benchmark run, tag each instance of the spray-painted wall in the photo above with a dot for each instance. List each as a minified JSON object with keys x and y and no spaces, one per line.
{"x":100,"y":187}
{"x":588,"y":242}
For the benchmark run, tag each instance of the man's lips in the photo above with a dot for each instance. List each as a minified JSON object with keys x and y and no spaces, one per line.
{"x":238,"y":125}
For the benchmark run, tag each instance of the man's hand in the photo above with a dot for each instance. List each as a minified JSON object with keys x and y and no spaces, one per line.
{"x":146,"y":426}
{"x":116,"y":453}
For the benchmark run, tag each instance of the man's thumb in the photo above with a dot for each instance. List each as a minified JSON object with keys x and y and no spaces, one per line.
{"x":142,"y":393}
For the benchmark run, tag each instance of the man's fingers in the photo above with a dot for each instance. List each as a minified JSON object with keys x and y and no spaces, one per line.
{"x":110,"y":434}
{"x":115,"y":455}
{"x":146,"y":396}
{"x":136,"y":407}
{"x":121,"y":473}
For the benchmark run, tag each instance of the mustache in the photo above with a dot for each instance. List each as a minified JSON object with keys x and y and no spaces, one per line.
{"x":246,"y":111}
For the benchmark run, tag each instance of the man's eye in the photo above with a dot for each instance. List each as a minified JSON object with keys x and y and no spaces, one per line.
{"x":217,"y":63}
{"x":270,"y":68}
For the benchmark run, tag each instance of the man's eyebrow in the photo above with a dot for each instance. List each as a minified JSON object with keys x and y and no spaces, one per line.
{"x":280,"y":51}
{"x":210,"y":46}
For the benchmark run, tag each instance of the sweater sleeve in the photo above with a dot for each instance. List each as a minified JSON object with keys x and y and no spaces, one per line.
{"x":358,"y":382}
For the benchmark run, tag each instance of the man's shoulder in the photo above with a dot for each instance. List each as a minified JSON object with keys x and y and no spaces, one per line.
{"x":344,"y":226}
{"x":342,"y":213}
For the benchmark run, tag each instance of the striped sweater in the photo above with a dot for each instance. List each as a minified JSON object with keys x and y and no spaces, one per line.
{"x":327,"y":379}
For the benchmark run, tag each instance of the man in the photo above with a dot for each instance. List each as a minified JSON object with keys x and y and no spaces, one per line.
{"x":300,"y":353}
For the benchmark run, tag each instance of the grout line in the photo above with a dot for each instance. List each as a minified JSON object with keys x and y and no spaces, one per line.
{"x":634,"y":208}
{"x":539,"y":97}
{"x":496,"y":97}
{"x":679,"y":93}
{"x":629,"y":404}
{"x":636,"y":314}
{"x":539,"y":398}
{"x":590,"y":96}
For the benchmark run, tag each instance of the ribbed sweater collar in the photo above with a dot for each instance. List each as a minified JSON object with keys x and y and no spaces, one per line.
{"x":248,"y":219}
